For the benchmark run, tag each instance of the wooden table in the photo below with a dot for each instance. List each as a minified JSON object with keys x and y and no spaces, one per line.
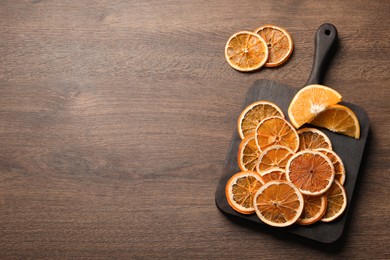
{"x":116,"y":117}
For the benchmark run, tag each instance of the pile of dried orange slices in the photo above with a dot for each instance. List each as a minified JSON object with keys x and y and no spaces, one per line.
{"x":287,"y":175}
{"x":268,"y":46}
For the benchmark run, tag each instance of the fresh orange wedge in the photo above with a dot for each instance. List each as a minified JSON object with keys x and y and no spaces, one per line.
{"x":337,"y":202}
{"x":246,"y":51}
{"x":240,"y":191}
{"x":253,"y":114}
{"x":279,"y":42}
{"x":276,"y":131}
{"x":248,"y":153}
{"x":309,"y":102}
{"x":314,"y":209}
{"x":273,"y":174}
{"x":339,"y":119}
{"x":311,"y":171}
{"x":311,"y":139}
{"x":274,"y":156}
{"x":338,"y":165}
{"x":278,"y":203}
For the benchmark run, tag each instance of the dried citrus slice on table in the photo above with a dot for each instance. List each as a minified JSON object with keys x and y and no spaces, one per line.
{"x":279,"y":43}
{"x":339,"y":169}
{"x":248,"y":153}
{"x":274,"y":156}
{"x":313,"y":210}
{"x":273,"y":174}
{"x":240,"y":191}
{"x":311,"y":171}
{"x":339,"y":119}
{"x":311,"y":138}
{"x":246,"y":51}
{"x":278,"y":203}
{"x":337,"y":202}
{"x":309,"y":102}
{"x":276,"y":131}
{"x":253,"y":114}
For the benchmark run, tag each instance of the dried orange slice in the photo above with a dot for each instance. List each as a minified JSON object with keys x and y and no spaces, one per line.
{"x":313,"y":210}
{"x":337,"y":202}
{"x":311,"y":138}
{"x":278,"y":203}
{"x":339,"y":119}
{"x":274,"y":156}
{"x":240,"y":191}
{"x":311,"y":171}
{"x":253,"y":114}
{"x":246,"y":51}
{"x":338,"y":164}
{"x":273,"y":174}
{"x":309,"y":102}
{"x":276,"y":131}
{"x":248,"y":153}
{"x":279,"y":42}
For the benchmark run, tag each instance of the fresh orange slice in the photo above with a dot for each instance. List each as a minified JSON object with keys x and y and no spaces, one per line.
{"x":276,"y":131}
{"x":240,"y":191}
{"x":248,"y":153}
{"x":253,"y":114}
{"x":311,"y":171}
{"x":279,"y":42}
{"x":337,"y":202}
{"x":246,"y":51}
{"x":338,"y":164}
{"x":274,"y":156}
{"x":314,"y":209}
{"x":309,"y":102}
{"x":339,"y":119}
{"x":311,"y":139}
{"x":278,"y":203}
{"x":273,"y":174}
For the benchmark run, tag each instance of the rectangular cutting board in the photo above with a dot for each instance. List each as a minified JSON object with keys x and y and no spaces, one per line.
{"x":349,"y":149}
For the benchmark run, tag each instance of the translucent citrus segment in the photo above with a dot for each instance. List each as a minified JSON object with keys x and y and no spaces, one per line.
{"x":309,"y":102}
{"x":273,"y":174}
{"x":274,"y":156}
{"x":311,"y":171}
{"x":278,"y":203}
{"x":337,"y":202}
{"x":248,"y":153}
{"x":276,"y":131}
{"x":311,"y":139}
{"x":240,"y":191}
{"x":279,"y":42}
{"x":339,"y":119}
{"x":253,"y":114}
{"x":339,"y":169}
{"x":246,"y":51}
{"x":313,"y":210}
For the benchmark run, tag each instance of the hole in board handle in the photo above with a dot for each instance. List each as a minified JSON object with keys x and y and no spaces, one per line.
{"x":327,"y":32}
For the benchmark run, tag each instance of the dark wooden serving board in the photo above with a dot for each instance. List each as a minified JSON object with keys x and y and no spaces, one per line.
{"x":349,"y":149}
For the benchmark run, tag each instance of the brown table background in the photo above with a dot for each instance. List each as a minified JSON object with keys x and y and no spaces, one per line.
{"x":116,"y":117}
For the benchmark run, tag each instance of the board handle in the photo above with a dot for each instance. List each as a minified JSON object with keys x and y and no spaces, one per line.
{"x":325,"y":47}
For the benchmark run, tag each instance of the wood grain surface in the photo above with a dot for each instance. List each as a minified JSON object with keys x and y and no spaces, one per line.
{"x":116,"y":117}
